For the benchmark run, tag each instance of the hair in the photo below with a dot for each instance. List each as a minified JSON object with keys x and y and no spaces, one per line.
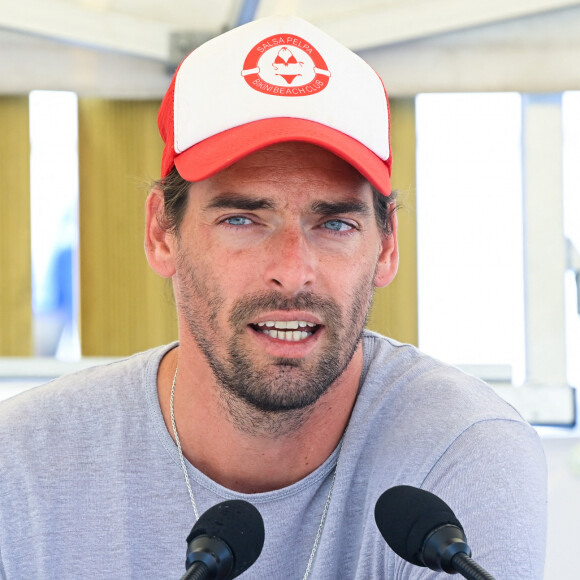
{"x":385,"y":209}
{"x":176,"y":194}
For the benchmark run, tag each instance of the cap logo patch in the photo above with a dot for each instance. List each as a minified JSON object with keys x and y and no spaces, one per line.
{"x":285,"y":65}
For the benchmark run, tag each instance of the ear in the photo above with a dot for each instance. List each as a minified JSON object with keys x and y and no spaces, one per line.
{"x":159,"y":243}
{"x":388,"y":258}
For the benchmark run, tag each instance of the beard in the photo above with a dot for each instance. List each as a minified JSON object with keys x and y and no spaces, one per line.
{"x":260,"y":393}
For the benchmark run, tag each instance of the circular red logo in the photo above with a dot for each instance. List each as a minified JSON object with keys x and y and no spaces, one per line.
{"x":285,"y":65}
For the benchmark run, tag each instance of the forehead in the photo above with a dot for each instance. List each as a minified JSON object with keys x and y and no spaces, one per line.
{"x":291,"y":172}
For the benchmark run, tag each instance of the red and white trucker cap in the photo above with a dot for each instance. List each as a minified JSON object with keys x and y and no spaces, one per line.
{"x":272,"y":80}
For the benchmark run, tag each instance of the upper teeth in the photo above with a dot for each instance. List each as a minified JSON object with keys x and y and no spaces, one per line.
{"x":281,"y":324}
{"x":287,"y":329}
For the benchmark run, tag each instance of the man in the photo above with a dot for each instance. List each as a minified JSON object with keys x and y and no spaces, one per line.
{"x":274,"y":219}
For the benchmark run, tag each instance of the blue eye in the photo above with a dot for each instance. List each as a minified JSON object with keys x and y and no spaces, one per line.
{"x":238,"y":220}
{"x":337,"y":226}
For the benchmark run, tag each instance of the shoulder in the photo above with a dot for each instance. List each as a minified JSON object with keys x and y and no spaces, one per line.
{"x":415,"y":410}
{"x":407,"y":377}
{"x":76,"y":399}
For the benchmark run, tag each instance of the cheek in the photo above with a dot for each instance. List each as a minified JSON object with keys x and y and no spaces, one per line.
{"x":210,"y":282}
{"x":348,"y":269}
{"x":193,"y":278}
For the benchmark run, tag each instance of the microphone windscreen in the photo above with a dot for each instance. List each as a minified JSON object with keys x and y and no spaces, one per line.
{"x":406,"y":515}
{"x":239,"y":524}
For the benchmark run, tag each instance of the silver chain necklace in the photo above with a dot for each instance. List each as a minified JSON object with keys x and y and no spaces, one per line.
{"x":192,"y":497}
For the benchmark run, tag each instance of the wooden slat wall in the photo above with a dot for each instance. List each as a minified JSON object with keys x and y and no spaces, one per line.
{"x":394,"y":311}
{"x":124,"y":306}
{"x":16,"y":336}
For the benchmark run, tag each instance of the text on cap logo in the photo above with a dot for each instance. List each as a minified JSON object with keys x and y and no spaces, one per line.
{"x":285,"y":65}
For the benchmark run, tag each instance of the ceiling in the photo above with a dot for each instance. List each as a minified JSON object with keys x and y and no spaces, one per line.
{"x":127,"y":47}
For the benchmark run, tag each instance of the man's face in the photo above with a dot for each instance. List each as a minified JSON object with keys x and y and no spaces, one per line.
{"x":277,"y":259}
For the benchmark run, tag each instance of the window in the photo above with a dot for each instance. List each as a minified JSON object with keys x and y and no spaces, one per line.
{"x":469,"y":213}
{"x":54,"y":223}
{"x":489,"y":298}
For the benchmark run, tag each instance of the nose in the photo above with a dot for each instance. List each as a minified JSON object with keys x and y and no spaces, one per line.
{"x":290,"y":262}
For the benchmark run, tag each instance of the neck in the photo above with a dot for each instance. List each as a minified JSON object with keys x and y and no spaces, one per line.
{"x":246,"y":450}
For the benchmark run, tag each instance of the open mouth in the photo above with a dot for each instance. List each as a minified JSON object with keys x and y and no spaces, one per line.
{"x":289,"y":330}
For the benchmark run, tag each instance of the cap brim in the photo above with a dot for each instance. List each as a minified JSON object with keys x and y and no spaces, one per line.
{"x":215,"y":153}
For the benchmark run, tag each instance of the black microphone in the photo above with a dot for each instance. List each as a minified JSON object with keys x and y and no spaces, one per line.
{"x":422,"y":529}
{"x":225,"y":541}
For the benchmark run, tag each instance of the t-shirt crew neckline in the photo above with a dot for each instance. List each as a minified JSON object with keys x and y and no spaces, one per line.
{"x":149,"y":384}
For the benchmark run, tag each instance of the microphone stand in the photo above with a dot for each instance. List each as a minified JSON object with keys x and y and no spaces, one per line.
{"x":468,"y":568}
{"x":197,"y":571}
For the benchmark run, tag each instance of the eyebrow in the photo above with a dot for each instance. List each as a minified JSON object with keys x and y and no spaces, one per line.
{"x":328,"y":208}
{"x":323,"y":208}
{"x":237,"y":201}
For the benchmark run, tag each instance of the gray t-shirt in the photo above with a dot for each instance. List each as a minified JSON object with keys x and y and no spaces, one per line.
{"x":91,"y":484}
